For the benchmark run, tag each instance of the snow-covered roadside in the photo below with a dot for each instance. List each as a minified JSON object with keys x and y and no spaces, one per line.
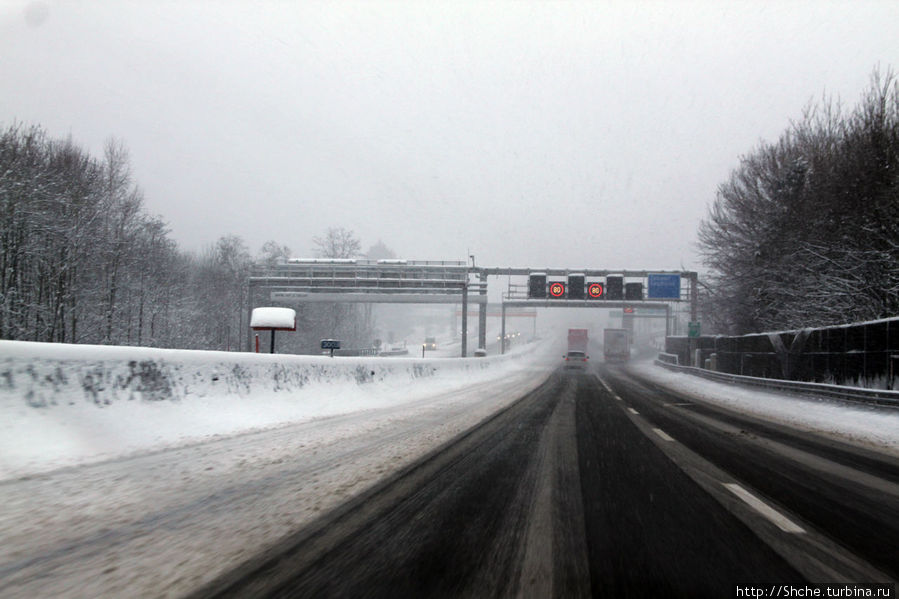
{"x":160,"y":524}
{"x":64,"y":405}
{"x":869,"y":426}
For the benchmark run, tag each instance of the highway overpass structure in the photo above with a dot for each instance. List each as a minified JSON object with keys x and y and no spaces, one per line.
{"x":303,"y":280}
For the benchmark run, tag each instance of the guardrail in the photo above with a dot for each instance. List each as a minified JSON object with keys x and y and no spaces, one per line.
{"x":855,"y":394}
{"x":668,"y":358}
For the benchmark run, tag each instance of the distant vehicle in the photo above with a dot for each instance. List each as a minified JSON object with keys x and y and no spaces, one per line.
{"x":430,"y":343}
{"x":577,"y":340}
{"x":616,"y":345}
{"x":575,"y":360}
{"x":395,"y":350}
{"x":480,"y":353}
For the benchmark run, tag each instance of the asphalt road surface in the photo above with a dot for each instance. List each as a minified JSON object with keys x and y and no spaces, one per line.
{"x":597,"y":485}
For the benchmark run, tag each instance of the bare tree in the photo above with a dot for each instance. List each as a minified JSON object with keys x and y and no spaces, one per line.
{"x":272,"y":253}
{"x":337,"y":243}
{"x":806,"y":231}
{"x":219,"y":284}
{"x":343,"y":321}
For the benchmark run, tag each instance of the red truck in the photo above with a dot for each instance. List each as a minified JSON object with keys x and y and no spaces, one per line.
{"x":577,"y":340}
{"x":576,"y":356}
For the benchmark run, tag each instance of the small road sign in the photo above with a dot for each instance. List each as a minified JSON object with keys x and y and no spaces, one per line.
{"x":331,"y":344}
{"x":557,"y":289}
{"x":594,"y":290}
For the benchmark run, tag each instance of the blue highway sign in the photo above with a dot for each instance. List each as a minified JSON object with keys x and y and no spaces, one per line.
{"x":664,"y":287}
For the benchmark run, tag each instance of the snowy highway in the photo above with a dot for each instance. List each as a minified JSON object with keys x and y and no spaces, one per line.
{"x":507,"y":299}
{"x":570,"y":493}
{"x":535,"y":483}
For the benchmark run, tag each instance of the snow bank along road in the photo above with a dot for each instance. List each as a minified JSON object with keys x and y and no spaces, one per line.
{"x":589,"y":484}
{"x":66,"y":404}
{"x":160,"y":524}
{"x":603,"y":487}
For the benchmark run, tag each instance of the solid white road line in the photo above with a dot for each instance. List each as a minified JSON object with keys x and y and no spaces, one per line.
{"x":781,"y":521}
{"x":663,"y":434}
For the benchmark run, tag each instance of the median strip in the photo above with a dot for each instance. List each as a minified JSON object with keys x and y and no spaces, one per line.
{"x":781,"y":521}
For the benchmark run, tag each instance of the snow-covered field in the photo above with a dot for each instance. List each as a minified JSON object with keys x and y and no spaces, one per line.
{"x":869,"y":426}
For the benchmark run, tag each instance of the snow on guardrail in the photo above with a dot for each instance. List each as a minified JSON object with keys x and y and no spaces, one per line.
{"x":856,"y":394}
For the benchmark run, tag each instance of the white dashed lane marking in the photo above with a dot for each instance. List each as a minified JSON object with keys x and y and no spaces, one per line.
{"x":781,"y":521}
{"x":663,"y":434}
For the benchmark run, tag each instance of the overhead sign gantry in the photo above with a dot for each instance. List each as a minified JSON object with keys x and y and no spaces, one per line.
{"x":303,"y":280}
{"x":428,"y":282}
{"x":589,"y":288}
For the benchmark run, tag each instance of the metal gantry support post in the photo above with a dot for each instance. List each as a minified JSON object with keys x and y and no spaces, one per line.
{"x":249,"y":315}
{"x":694,"y":313}
{"x":667,"y":320}
{"x":482,"y":313}
{"x":694,"y":296}
{"x":465,"y":320}
{"x":502,"y":334}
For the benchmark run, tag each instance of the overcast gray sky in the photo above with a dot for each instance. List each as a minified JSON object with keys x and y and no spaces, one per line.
{"x":558,"y":134}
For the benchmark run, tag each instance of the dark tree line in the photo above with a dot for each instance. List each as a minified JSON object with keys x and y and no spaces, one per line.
{"x":82,"y":262}
{"x":806,"y":230}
